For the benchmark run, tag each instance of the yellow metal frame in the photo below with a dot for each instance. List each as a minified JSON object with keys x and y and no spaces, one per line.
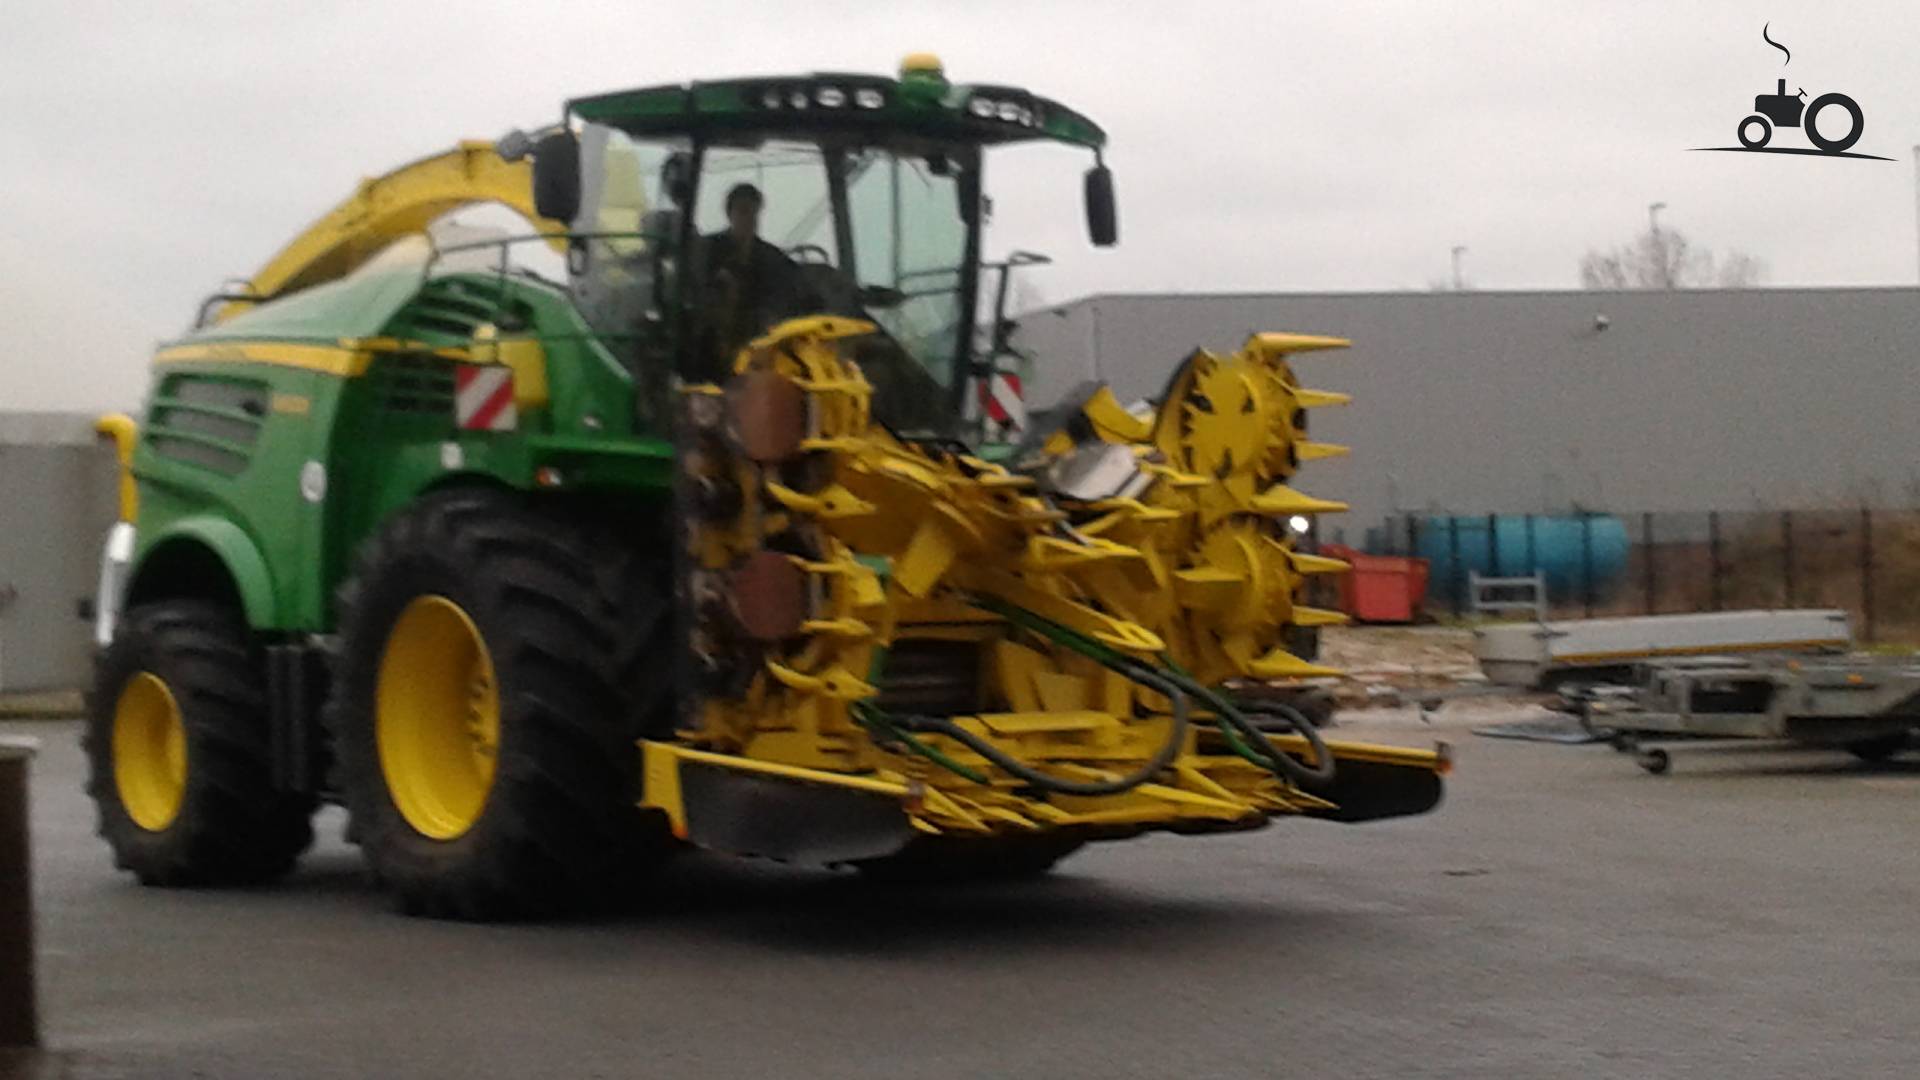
{"x":1202,"y":790}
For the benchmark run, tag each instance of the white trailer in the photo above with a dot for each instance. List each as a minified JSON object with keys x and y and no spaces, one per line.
{"x":1536,"y":654}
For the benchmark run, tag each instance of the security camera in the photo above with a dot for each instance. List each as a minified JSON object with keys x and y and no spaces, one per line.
{"x":1601,"y":322}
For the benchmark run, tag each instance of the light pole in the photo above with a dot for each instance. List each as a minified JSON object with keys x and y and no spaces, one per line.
{"x":1460,"y":283}
{"x":1664,"y":271}
{"x":1916,"y":185}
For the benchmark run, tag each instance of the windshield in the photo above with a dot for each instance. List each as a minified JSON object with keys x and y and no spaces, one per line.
{"x":790,"y":227}
{"x":778,"y":226}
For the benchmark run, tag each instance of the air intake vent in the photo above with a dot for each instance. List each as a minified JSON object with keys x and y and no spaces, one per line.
{"x":449,"y":310}
{"x":414,"y":384}
{"x":207,"y":420}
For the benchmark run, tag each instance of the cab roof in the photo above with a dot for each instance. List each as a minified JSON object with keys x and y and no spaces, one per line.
{"x":920,"y":101}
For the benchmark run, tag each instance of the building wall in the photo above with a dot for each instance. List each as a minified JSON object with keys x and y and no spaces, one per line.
{"x":1482,"y":401}
{"x":57,"y":498}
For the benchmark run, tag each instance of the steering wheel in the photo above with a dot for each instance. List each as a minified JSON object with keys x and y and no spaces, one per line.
{"x":881,"y":296}
{"x":801,"y":252}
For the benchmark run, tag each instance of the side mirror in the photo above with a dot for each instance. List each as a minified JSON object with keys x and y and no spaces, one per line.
{"x":1103,"y":224}
{"x":556,"y":177}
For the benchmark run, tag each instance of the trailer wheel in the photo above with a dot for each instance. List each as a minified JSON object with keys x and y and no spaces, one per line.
{"x":945,"y":860}
{"x":483,"y":741}
{"x":1879,"y":748}
{"x":177,"y":751}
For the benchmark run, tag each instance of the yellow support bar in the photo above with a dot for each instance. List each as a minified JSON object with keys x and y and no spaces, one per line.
{"x":662,"y":761}
{"x":1316,"y":451}
{"x":124,"y":432}
{"x":1275,"y":344}
{"x":1304,"y":563}
{"x":1319,"y":399}
{"x":385,"y":208}
{"x":1281,"y":499}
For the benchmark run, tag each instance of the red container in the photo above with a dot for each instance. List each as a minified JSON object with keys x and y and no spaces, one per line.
{"x":1381,"y":588}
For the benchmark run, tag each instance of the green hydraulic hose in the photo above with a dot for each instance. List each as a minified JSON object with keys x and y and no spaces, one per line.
{"x":879,"y":722}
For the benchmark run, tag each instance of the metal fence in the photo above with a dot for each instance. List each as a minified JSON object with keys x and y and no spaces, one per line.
{"x":1866,"y":561}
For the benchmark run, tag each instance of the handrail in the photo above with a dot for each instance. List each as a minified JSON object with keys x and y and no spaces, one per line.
{"x":124,"y":432}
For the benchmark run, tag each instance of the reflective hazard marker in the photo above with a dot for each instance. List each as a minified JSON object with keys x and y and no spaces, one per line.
{"x":1001,"y":396}
{"x":483,"y":397}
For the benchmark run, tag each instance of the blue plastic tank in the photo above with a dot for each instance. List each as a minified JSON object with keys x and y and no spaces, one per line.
{"x":1562,"y":546}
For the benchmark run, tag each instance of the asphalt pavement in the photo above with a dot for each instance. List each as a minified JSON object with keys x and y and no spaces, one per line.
{"x":1560,"y":915}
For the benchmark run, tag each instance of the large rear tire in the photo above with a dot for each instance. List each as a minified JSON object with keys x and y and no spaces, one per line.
{"x":484,"y":739}
{"x":178,"y":755}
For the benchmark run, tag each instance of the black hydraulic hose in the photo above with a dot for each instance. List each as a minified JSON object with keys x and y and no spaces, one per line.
{"x":1234,"y":722}
{"x":1176,"y":738}
{"x":1319,"y":773}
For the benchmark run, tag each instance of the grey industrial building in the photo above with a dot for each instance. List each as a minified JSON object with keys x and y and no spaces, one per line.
{"x":57,"y":498}
{"x":1476,"y":402}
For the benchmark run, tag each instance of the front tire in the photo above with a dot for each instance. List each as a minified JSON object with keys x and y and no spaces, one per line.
{"x":1758,"y":140}
{"x":486,"y":751}
{"x":178,"y":754}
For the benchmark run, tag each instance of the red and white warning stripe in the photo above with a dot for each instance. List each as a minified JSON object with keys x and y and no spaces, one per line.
{"x":483,"y":397}
{"x":1001,"y":396}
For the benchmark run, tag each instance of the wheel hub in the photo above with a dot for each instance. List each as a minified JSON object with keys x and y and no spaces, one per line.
{"x":149,"y":752}
{"x":437,"y":718}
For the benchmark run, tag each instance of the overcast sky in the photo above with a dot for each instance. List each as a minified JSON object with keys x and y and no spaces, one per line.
{"x":154,"y":148}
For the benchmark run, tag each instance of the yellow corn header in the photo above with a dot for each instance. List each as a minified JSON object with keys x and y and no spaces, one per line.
{"x":1089,"y":639}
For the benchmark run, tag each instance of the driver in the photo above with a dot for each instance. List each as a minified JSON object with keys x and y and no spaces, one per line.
{"x":749,"y":283}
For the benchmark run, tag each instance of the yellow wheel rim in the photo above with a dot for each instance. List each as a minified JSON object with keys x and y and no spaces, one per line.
{"x":149,"y":752}
{"x":437,"y":718}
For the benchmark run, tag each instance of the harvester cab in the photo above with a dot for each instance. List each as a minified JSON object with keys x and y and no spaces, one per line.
{"x":868,"y":198}
{"x":543,"y":579}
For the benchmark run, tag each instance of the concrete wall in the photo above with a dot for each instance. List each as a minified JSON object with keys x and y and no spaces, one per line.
{"x":1484,"y":401}
{"x":57,"y":498}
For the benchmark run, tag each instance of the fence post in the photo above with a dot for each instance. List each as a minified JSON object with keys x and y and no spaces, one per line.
{"x":1493,"y":545}
{"x":1866,"y":573}
{"x":1586,"y":559}
{"x":1453,"y":557}
{"x":1533,"y":550}
{"x":19,"y":1015}
{"x":1646,"y":558}
{"x":1786,"y":556}
{"x":1713,"y":553}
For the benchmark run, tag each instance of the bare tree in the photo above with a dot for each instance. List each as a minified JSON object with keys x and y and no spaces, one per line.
{"x":1665,"y":259}
{"x":1740,"y":270}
